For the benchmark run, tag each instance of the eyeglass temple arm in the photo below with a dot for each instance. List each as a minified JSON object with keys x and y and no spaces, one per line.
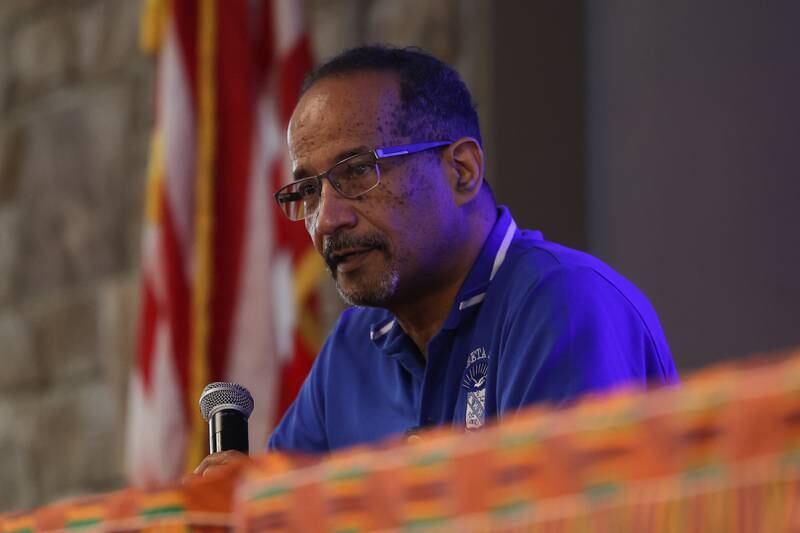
{"x":381,"y":153}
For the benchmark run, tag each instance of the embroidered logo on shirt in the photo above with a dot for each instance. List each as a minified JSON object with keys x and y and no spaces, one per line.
{"x":475,"y":383}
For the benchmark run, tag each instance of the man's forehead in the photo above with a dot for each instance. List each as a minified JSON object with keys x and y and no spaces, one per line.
{"x":358,"y":85}
{"x":353,"y":108}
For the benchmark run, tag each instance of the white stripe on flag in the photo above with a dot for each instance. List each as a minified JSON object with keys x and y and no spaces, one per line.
{"x":178,"y":124}
{"x":288,"y":16}
{"x":254,"y":361}
{"x":156,"y":436}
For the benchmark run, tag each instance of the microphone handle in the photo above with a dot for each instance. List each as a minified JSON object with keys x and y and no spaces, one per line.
{"x":227,"y":430}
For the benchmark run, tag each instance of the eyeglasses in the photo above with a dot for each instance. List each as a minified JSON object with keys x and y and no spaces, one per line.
{"x":351,"y":177}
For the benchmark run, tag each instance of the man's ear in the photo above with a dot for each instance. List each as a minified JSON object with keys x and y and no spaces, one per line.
{"x":465,"y":167}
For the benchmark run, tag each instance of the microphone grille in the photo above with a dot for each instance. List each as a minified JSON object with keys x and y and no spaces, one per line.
{"x":224,"y":395}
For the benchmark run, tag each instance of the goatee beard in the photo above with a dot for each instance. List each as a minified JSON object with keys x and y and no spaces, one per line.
{"x":366,"y":292}
{"x":375,"y":294}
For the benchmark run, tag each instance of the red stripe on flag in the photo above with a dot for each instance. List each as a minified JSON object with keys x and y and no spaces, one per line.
{"x":147,"y":328}
{"x":177,"y":306}
{"x":235,"y":115}
{"x":293,"y":374}
{"x":185,"y":16}
{"x":263,"y":43}
{"x":292,"y":71}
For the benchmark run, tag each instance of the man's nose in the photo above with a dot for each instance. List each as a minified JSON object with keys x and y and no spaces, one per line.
{"x":334,"y":212}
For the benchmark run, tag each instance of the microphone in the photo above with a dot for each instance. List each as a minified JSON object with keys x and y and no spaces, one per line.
{"x":226,"y":407}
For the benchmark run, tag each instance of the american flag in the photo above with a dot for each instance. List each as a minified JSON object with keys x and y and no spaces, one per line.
{"x":228,"y":285}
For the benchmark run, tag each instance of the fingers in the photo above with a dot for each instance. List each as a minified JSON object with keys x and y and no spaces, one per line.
{"x":218,"y":460}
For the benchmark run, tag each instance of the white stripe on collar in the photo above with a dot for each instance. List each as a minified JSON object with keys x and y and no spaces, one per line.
{"x":474,"y":300}
{"x":498,"y":261}
{"x":501,"y":252}
{"x":374,"y":335}
{"x":469,"y":302}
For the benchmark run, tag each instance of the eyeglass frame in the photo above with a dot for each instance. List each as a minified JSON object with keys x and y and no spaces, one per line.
{"x":377,"y":153}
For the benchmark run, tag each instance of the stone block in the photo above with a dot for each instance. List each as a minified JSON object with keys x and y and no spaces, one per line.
{"x":117,"y":305}
{"x":141,"y":87}
{"x":5,"y":77}
{"x":20,"y":366}
{"x":335,"y":26}
{"x":107,"y":35}
{"x":433,"y":25}
{"x":73,"y":190}
{"x":118,"y":322}
{"x":9,"y":253}
{"x":12,"y":10}
{"x":132,"y":183}
{"x":82,"y":421}
{"x":19,"y":470}
{"x":41,"y":54}
{"x":103,"y":433}
{"x":12,"y":147}
{"x":15,"y":471}
{"x":64,"y":325}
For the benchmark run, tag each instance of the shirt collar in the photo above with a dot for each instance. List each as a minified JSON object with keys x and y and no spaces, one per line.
{"x":384,"y":332}
{"x":485,"y":268}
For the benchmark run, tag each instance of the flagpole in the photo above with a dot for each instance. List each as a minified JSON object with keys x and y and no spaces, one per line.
{"x":204,"y":220}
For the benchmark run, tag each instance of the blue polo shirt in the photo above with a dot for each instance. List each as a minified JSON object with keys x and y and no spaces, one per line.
{"x":533,"y":322}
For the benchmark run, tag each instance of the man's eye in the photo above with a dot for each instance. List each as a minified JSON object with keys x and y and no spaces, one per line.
{"x":307,"y":189}
{"x":363,"y":169}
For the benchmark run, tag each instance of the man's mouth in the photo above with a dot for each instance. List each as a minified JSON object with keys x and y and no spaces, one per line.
{"x":345,"y":254}
{"x":348,"y":260}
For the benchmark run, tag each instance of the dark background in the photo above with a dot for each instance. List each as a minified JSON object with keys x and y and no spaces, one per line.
{"x":664,"y":138}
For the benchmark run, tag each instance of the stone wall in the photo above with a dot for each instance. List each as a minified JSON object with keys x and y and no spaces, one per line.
{"x":75,"y":101}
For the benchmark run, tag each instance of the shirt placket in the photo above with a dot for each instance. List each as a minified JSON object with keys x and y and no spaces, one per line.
{"x":435,"y":395}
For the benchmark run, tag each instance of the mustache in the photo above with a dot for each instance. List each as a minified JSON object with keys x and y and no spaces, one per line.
{"x":344,"y":241}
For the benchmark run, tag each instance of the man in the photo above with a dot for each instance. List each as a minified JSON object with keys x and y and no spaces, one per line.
{"x":458,"y":316}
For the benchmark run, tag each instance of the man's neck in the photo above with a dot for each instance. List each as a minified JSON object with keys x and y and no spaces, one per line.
{"x":422,"y":319}
{"x":423,"y":316}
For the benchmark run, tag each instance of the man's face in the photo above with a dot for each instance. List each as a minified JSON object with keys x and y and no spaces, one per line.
{"x":390,"y":243}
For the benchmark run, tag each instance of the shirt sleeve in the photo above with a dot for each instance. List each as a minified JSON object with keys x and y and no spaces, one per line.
{"x":575,"y":332}
{"x":302,"y":427}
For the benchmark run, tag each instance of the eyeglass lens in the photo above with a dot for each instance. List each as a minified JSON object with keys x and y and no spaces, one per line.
{"x":351,"y":178}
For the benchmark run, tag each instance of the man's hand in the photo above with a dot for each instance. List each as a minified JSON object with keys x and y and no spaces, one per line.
{"x":215,"y":462}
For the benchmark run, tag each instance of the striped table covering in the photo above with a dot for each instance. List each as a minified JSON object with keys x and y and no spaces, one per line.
{"x":719,"y":453}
